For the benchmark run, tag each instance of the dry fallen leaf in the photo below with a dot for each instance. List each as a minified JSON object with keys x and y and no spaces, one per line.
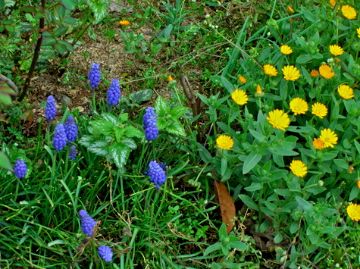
{"x":227,"y":206}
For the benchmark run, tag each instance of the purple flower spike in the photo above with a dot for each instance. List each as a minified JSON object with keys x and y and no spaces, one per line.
{"x":71,"y":129}
{"x":72,"y":153}
{"x":87,"y":223}
{"x":59,"y":139}
{"x":20,"y":168}
{"x":50,"y":108}
{"x":114,"y":93}
{"x":150,"y":124}
{"x":94,"y":76}
{"x":105,"y":253}
{"x":157,"y":174}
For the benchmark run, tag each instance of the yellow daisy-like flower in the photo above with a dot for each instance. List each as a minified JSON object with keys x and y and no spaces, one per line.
{"x":353,"y":211}
{"x":314,"y":73}
{"x":348,"y":12}
{"x":286,"y":50}
{"x":332,"y":3}
{"x":358,"y":32}
{"x":242,"y":79}
{"x":124,"y":23}
{"x":329,"y":137}
{"x":278,"y":119}
{"x":345,"y":91}
{"x":358,"y":183}
{"x":298,"y":168}
{"x":326,"y":71}
{"x":336,"y":50}
{"x":291,"y":73}
{"x":270,"y":70}
{"x":298,"y":106}
{"x":170,"y":78}
{"x":259,"y":91}
{"x":318,"y":144}
{"x":239,"y":96}
{"x":319,"y":109}
{"x":224,"y":142}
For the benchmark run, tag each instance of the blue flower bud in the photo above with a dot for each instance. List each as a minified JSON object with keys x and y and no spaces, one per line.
{"x":71,"y":129}
{"x":50,"y":108}
{"x":94,"y":76}
{"x":72,"y":152}
{"x":150,"y":124}
{"x":113,"y":93}
{"x":87,"y":223}
{"x":156,"y":173}
{"x":105,"y":253}
{"x":20,"y":168}
{"x":59,"y":139}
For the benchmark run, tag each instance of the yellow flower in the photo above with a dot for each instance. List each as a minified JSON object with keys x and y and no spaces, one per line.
{"x":270,"y":70}
{"x":358,"y":183}
{"x":298,"y":168}
{"x":298,"y":106}
{"x":329,"y":138}
{"x":348,"y":12}
{"x":319,"y":109}
{"x":259,"y":91}
{"x":170,"y":78}
{"x":278,"y":119}
{"x":358,"y":32}
{"x":290,"y":9}
{"x":314,"y":73}
{"x":286,"y":50}
{"x":124,"y":23}
{"x":291,"y":73}
{"x":242,"y":79}
{"x":332,"y":3}
{"x":326,"y":71}
{"x":353,"y":211}
{"x":224,"y":142}
{"x":318,"y":143}
{"x":345,"y":91}
{"x":239,"y":96}
{"x":336,"y":50}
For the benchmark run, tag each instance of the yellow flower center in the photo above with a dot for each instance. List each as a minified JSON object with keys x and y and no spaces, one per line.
{"x":239,"y":96}
{"x":224,"y":142}
{"x":291,"y":73}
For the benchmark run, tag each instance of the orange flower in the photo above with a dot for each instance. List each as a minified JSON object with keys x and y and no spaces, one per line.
{"x":314,"y":73}
{"x":124,"y":23}
{"x":318,"y":143}
{"x":290,"y":9}
{"x":326,"y":71}
{"x":170,"y":78}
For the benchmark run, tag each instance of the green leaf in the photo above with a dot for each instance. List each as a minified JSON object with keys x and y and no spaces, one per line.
{"x":175,"y":128}
{"x":178,"y":112}
{"x":251,"y":160}
{"x":303,"y":204}
{"x":161,"y":107}
{"x":5,"y":99}
{"x":131,"y":131}
{"x":303,"y":59}
{"x":141,"y":96}
{"x":119,"y":155}
{"x":248,"y":201}
{"x":238,"y":245}
{"x":99,"y":9}
{"x":354,"y":193}
{"x":278,"y":238}
{"x":224,"y":166}
{"x":4,"y":161}
{"x":254,"y":187}
{"x":227,"y":84}
{"x":204,"y":153}
{"x":212,"y":248}
{"x":69,"y":4}
{"x":357,"y":145}
{"x":341,"y":163}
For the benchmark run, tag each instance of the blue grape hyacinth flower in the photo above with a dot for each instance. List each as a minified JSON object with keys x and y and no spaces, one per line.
{"x":72,"y":152}
{"x":156,"y":173}
{"x":87,"y":223}
{"x":59,"y":139}
{"x":94,"y":76}
{"x":50,"y":108}
{"x":114,"y":93}
{"x":105,"y":253}
{"x":71,"y":129}
{"x":20,"y":168}
{"x":150,"y":124}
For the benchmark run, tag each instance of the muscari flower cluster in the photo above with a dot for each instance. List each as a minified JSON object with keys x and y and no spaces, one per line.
{"x":20,"y":168}
{"x":94,"y":76}
{"x":157,"y":174}
{"x":88,"y":225}
{"x":50,"y":108}
{"x":113,"y":93}
{"x":150,"y":124}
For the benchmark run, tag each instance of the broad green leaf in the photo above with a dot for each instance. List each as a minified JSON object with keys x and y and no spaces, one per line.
{"x":69,"y":4}
{"x":224,"y":165}
{"x":161,"y":107}
{"x":4,"y":161}
{"x":141,"y":96}
{"x":131,"y":131}
{"x":5,"y":99}
{"x":238,"y":245}
{"x":251,"y":160}
{"x":303,"y":204}
{"x":175,"y":128}
{"x":212,"y":248}
{"x":254,"y":187}
{"x":204,"y":153}
{"x":99,"y":9}
{"x":248,"y":201}
{"x":227,"y":84}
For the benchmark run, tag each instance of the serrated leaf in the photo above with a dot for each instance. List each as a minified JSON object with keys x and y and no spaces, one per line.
{"x":141,"y":96}
{"x":99,"y":148}
{"x":175,"y":128}
{"x":161,"y":107}
{"x":131,"y":131}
